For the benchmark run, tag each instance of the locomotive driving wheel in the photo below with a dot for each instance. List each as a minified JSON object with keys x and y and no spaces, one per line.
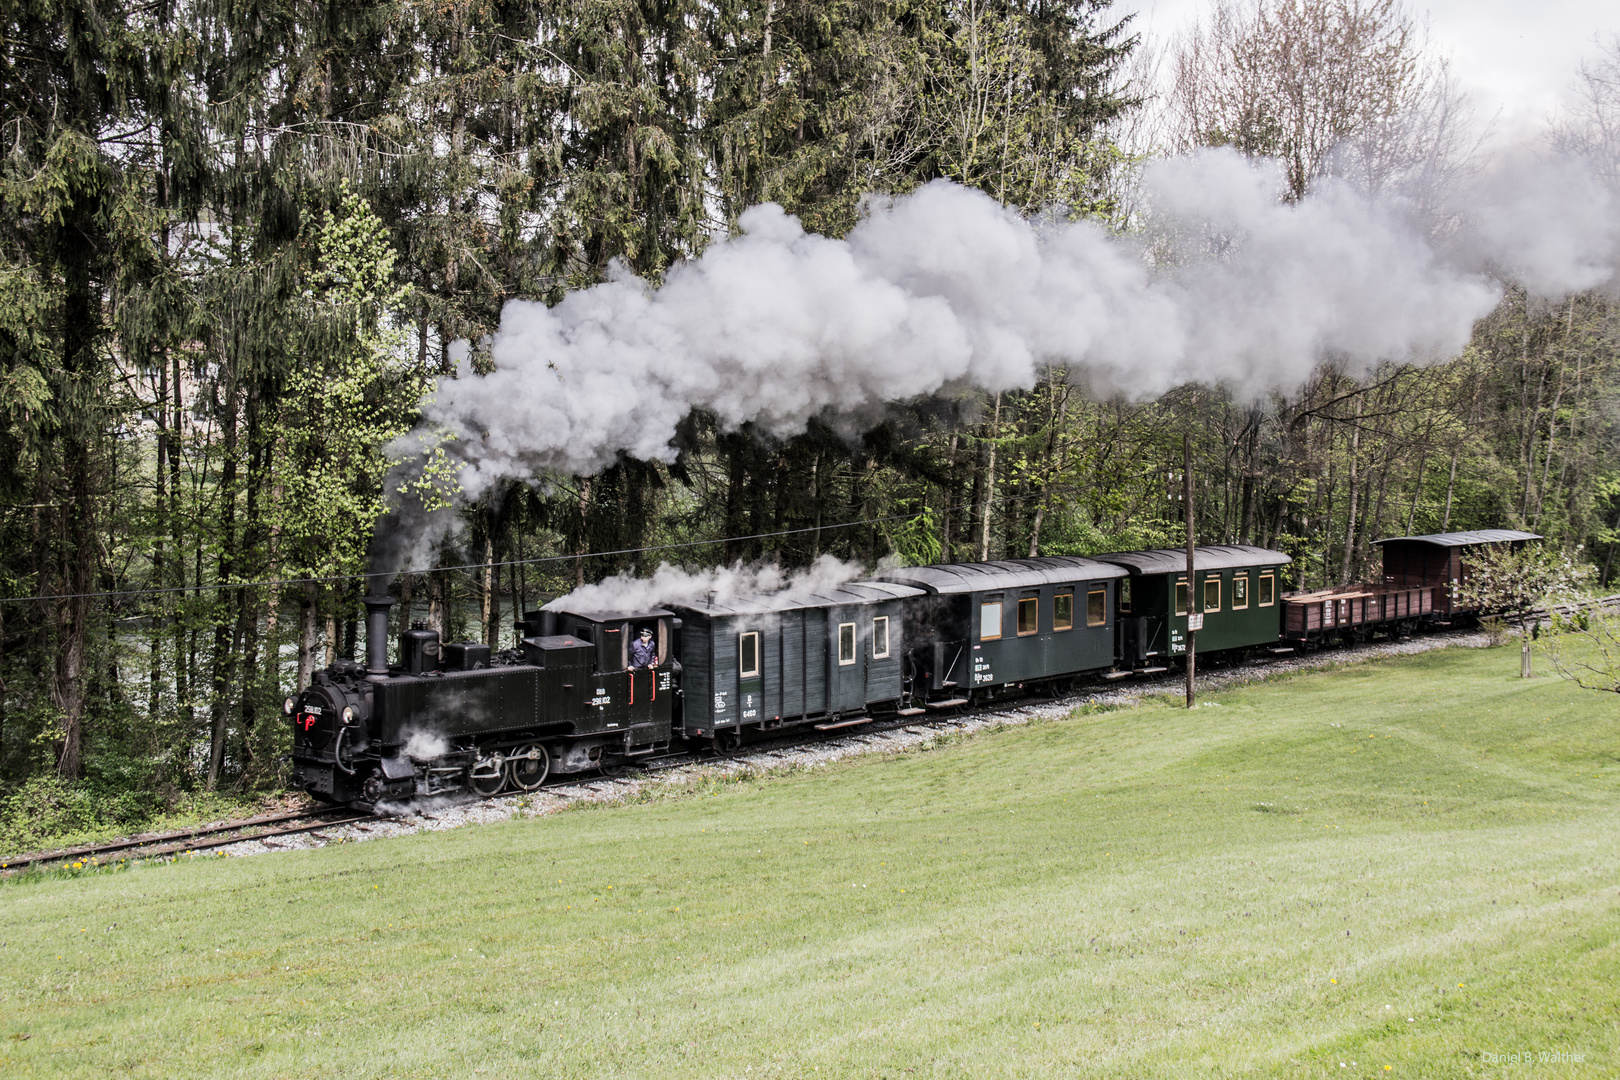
{"x":488,"y":775}
{"x":528,"y":766}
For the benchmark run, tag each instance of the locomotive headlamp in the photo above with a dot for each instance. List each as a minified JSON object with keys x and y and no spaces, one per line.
{"x":347,"y":714}
{"x":289,"y":706}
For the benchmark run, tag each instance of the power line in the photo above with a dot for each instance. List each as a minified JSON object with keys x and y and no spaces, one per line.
{"x":169,"y":590}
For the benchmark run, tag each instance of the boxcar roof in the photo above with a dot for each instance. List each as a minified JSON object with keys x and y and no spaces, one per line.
{"x":1007,"y":574}
{"x":851,"y":592}
{"x":1205,"y":557}
{"x":1463,"y":539}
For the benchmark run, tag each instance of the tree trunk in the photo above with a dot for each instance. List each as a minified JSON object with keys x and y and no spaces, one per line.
{"x":306,"y":636}
{"x":1354,"y":494}
{"x":224,"y":657}
{"x":492,"y":609}
{"x":1451,"y":486}
{"x":438,"y":603}
{"x":584,"y":545}
{"x":989,"y":484}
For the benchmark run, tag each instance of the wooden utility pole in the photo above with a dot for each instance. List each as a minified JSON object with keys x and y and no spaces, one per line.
{"x":1192,"y":619}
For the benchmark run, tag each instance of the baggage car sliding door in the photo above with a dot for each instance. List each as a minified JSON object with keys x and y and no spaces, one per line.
{"x":846,"y":676}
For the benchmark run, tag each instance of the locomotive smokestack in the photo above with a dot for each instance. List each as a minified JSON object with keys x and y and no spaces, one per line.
{"x":377,"y":607}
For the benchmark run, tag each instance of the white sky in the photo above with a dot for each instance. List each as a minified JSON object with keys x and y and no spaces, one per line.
{"x":1515,"y":59}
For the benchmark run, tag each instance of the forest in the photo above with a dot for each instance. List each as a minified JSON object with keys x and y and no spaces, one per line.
{"x":239,"y":243}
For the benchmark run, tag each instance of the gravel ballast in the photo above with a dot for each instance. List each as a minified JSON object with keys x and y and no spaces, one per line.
{"x":428,"y":815}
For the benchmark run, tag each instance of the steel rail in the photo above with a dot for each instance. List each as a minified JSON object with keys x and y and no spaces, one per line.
{"x":177,"y":837}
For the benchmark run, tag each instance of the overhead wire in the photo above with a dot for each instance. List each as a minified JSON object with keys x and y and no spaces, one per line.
{"x":110,"y":594}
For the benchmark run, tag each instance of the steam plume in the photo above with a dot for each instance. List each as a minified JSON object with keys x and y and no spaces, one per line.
{"x":944,"y":286}
{"x":724,"y":585}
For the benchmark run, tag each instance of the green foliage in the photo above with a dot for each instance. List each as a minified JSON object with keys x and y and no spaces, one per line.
{"x":1501,"y":579}
{"x":1584,"y":646}
{"x":343,"y":405}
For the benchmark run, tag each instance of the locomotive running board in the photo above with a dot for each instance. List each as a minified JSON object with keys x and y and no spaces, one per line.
{"x":1117,"y":674}
{"x":951,"y":704}
{"x":846,"y":723}
{"x":1280,"y":651}
{"x":1150,"y":670}
{"x":910,"y":712}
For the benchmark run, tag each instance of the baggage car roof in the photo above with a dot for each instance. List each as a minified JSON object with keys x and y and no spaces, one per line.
{"x":951,"y":578}
{"x":1463,"y":539}
{"x":851,"y":592}
{"x":1205,"y":557}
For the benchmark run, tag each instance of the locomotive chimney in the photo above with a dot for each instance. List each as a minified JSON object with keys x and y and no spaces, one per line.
{"x":377,"y":633}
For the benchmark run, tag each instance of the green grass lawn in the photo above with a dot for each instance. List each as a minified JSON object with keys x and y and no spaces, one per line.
{"x":1410,"y":865}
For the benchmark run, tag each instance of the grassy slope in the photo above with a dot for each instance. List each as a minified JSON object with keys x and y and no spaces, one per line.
{"x":1147,"y":892}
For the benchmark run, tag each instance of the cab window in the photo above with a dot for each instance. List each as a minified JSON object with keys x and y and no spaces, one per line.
{"x":990,"y":620}
{"x":1096,"y":607}
{"x":1029,"y":616}
{"x":1125,"y":596}
{"x":1063,"y":611}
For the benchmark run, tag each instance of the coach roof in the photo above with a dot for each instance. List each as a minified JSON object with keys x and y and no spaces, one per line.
{"x":852,"y":592}
{"x":1206,"y":557}
{"x":1463,"y":539}
{"x":1007,"y":574}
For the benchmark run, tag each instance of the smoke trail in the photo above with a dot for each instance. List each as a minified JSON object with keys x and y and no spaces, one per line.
{"x":723,"y":585}
{"x":944,"y":286}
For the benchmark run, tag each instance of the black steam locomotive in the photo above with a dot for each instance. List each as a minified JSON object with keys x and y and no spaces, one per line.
{"x":596,"y":690}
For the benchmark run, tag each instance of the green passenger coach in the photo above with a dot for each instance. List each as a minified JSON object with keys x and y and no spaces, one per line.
{"x":1235,"y":587}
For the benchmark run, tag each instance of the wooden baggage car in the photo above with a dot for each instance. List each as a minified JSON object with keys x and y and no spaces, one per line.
{"x":1440,"y":560}
{"x":768,"y":662}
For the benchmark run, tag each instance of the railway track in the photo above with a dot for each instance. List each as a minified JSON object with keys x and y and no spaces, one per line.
{"x":779,"y":746}
{"x":190,"y":840}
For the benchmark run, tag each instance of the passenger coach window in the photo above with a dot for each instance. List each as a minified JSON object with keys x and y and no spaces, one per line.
{"x":1212,"y":594}
{"x":880,"y":637}
{"x":1063,"y":611}
{"x":1029,"y":615}
{"x":748,"y":656}
{"x":1097,"y":607}
{"x":1181,"y":598}
{"x":1268,"y":590}
{"x":1240,"y":592}
{"x":846,"y":643}
{"x":990,"y":621}
{"x":1125,"y":595}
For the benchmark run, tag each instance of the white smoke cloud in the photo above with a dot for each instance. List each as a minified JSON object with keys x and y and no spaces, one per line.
{"x":944,"y":286}
{"x":723,"y":585}
{"x":425,"y":746}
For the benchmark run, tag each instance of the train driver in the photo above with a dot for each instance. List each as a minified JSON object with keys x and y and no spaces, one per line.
{"x":643,"y":653}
